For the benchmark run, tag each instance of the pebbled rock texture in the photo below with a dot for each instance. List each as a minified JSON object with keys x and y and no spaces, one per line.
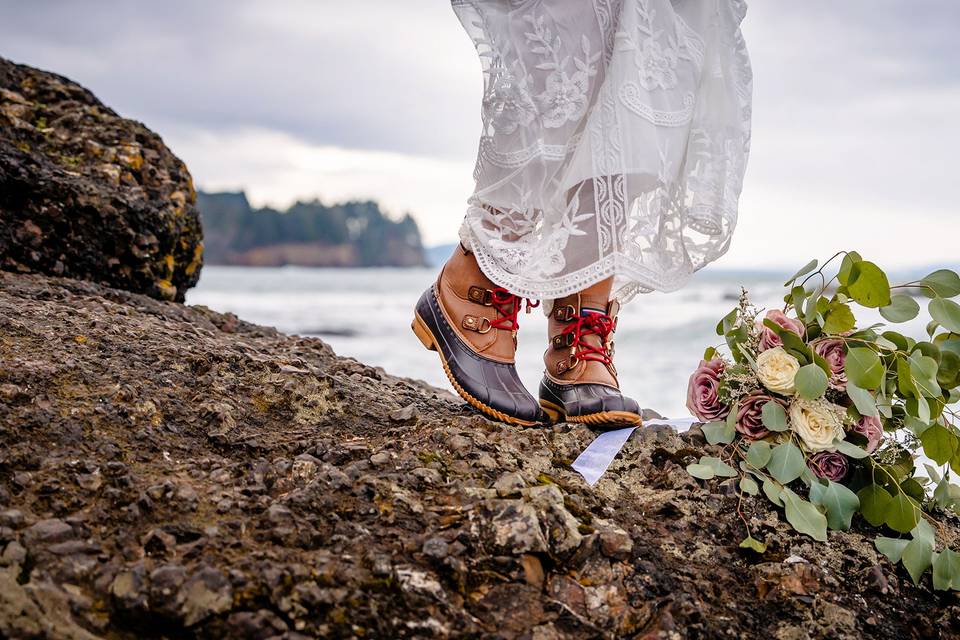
{"x":87,"y":194}
{"x":167,"y":471}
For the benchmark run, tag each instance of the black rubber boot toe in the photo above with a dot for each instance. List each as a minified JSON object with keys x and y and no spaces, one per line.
{"x":598,"y":405}
{"x":490,"y":386}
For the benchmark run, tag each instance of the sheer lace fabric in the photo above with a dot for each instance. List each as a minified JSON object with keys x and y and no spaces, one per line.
{"x":615,"y":139}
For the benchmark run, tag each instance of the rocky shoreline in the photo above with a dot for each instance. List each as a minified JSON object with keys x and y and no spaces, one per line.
{"x":167,"y":471}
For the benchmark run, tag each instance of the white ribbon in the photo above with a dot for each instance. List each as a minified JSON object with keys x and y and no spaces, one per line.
{"x":596,"y":458}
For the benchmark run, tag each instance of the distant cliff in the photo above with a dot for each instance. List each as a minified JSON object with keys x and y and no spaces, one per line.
{"x":353,"y":234}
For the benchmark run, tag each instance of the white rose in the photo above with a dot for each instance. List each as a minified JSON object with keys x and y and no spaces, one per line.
{"x":777,"y":369}
{"x":817,"y":422}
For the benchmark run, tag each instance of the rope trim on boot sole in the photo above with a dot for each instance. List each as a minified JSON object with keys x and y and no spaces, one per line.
{"x":430,"y":342}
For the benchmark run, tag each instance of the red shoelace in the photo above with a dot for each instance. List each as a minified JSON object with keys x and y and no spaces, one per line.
{"x":597,"y":324}
{"x":508,"y":308}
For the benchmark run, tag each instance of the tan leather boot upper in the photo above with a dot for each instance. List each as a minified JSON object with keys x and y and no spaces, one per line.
{"x":475,"y":310}
{"x":561,"y":357}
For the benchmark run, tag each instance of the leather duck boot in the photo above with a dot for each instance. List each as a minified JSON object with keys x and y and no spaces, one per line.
{"x":472,"y":324}
{"x":580,"y":381}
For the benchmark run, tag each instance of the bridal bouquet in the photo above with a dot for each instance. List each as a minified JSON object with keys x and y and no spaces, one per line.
{"x":829,"y":420}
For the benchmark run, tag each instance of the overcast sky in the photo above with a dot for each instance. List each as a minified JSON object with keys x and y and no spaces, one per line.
{"x":856,"y":109}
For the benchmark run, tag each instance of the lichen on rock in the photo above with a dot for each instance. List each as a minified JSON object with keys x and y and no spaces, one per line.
{"x":86,"y":193}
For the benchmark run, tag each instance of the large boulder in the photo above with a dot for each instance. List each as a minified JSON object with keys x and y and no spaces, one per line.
{"x":88,"y":194}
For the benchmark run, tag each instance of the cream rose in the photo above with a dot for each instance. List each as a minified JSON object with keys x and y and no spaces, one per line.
{"x":777,"y":369}
{"x":817,"y":422}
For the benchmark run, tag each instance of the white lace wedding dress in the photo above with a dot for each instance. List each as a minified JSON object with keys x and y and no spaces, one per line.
{"x":615,"y":139}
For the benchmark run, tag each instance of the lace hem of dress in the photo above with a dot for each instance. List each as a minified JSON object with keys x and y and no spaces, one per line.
{"x":630,"y":276}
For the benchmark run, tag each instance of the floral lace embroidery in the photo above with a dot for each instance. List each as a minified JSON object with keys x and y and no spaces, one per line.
{"x":572,"y":186}
{"x":564,"y":97}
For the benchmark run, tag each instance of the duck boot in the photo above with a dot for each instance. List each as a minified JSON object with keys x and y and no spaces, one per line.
{"x":472,"y":324}
{"x":580,"y":381}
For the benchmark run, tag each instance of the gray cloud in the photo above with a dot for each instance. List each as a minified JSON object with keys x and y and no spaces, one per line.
{"x":855,"y":112}
{"x":369,"y":74}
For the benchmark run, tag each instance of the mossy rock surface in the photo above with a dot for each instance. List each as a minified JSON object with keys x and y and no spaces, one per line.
{"x":88,"y":194}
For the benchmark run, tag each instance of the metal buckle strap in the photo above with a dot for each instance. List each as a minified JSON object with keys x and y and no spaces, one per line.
{"x":480,"y":295}
{"x":476,"y":323}
{"x":565,"y":313}
{"x":563,"y":340}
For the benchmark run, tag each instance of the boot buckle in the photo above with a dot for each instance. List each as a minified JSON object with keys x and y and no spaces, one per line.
{"x":475,"y":323}
{"x":480,"y":295}
{"x":565,"y":313}
{"x":566,"y":365}
{"x":563,"y":340}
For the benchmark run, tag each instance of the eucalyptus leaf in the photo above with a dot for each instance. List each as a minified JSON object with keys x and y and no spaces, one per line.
{"x":803,"y":516}
{"x":923,"y":369}
{"x":773,"y":416}
{"x":890,"y":547}
{"x":863,"y":367}
{"x":807,"y":268}
{"x":923,"y":531}
{"x":749,"y":486}
{"x":758,"y":455}
{"x":945,"y":312}
{"x":943,"y":282}
{"x":918,"y":408}
{"x":846,"y":264}
{"x":864,"y":401}
{"x":702,"y":471}
{"x":773,"y":491}
{"x":946,"y":570}
{"x":839,"y":501}
{"x":811,"y":381}
{"x":902,"y":308}
{"x":917,"y":558}
{"x":786,"y":462}
{"x":839,"y":319}
{"x":932,"y":472}
{"x":850,"y":450}
{"x":719,"y":467}
{"x":719,"y":432}
{"x":939,"y":443}
{"x":874,"y":503}
{"x":902,"y":513}
{"x":869,"y":285}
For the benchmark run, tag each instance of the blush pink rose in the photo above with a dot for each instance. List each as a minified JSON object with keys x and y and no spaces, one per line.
{"x":769,"y":339}
{"x":749,"y":414}
{"x":870,"y":428}
{"x":829,"y":464}
{"x":835,"y":353}
{"x":702,"y":400}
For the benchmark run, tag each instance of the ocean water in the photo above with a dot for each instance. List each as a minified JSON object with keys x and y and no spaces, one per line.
{"x":366,"y":314}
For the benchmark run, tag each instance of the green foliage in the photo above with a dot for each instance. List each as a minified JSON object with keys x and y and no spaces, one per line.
{"x":903,"y":384}
{"x":786,"y":462}
{"x":811,"y":381}
{"x":868,"y":285}
{"x":901,"y":308}
{"x":710,"y":467}
{"x":803,"y":516}
{"x":863,"y":367}
{"x":719,"y":432}
{"x":774,"y":417}
{"x":839,"y":502}
{"x":839,"y":318}
{"x":943,"y":283}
